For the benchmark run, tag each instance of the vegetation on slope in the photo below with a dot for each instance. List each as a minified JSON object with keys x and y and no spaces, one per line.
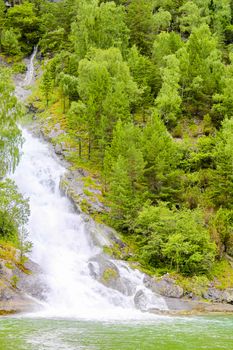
{"x":143,"y":91}
{"x":14,"y":209}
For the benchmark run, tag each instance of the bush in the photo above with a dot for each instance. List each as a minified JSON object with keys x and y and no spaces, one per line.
{"x":221,"y":226}
{"x":9,"y":42}
{"x":19,"y":68}
{"x":176,"y":238}
{"x":14,"y":211}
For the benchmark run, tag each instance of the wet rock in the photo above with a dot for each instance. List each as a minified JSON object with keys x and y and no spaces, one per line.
{"x":164,"y":286}
{"x":6,"y":273}
{"x":175,"y":304}
{"x":106,"y":272}
{"x":34,"y":286}
{"x":146,"y":300}
{"x":16,"y":286}
{"x":6,"y":294}
{"x":33,"y":283}
{"x":140,"y":300}
{"x":58,"y":149}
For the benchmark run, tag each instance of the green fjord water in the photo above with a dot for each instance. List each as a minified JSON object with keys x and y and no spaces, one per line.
{"x":165,"y":333}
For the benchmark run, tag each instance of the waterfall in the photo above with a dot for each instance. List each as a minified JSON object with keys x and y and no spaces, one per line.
{"x":64,"y":247}
{"x":30,"y":69}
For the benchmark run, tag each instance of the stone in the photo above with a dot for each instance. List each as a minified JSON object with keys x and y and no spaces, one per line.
{"x":33,"y":283}
{"x":58,"y":149}
{"x":146,"y":300}
{"x":164,"y":286}
{"x":140,"y":300}
{"x":106,"y":272}
{"x":220,"y":296}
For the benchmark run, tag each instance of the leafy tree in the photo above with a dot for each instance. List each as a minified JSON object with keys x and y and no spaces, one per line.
{"x":223,"y":101}
{"x":47,"y":85}
{"x":221,"y":227}
{"x":144,"y":74}
{"x":124,"y":171}
{"x":22,"y":18}
{"x":175,"y":238}
{"x":125,"y":136}
{"x":10,"y":135}
{"x":222,"y":188}
{"x":161,"y":156}
{"x":168,"y":101}
{"x":125,"y":199}
{"x":201,"y":70}
{"x":162,"y":20}
{"x":140,"y":20}
{"x":191,"y":17}
{"x":99,"y":26}
{"x":9,"y":42}
{"x":2,"y":14}
{"x":107,"y":91}
{"x":165,"y":44}
{"x":52,"y":41}
{"x":14,"y":211}
{"x":220,"y":15}
{"x":69,"y":87}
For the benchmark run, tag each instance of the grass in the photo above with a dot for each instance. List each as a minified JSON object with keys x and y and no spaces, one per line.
{"x":7,"y":252}
{"x":222,"y":274}
{"x":109,"y":274}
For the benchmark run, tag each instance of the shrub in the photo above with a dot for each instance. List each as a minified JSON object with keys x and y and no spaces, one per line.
{"x":177,"y":238}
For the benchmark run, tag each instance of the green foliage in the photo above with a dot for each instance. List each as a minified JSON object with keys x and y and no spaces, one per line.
{"x":143,"y":23}
{"x":222,"y":189}
{"x":23,"y":19}
{"x":9,"y":42}
{"x":109,"y":274}
{"x":175,"y":238}
{"x":144,"y":93}
{"x":99,"y":26}
{"x":10,"y":135}
{"x":168,"y":100}
{"x":222,"y":272}
{"x":47,"y":85}
{"x":143,"y":72}
{"x":196,"y":285}
{"x":124,"y":173}
{"x":201,"y":70}
{"x":14,"y":281}
{"x":106,"y":92}
{"x":222,"y":231}
{"x":14,"y":211}
{"x":161,"y":156}
{"x":192,"y":16}
{"x":19,"y":68}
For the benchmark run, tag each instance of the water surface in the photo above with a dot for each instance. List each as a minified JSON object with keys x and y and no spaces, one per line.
{"x":165,"y":333}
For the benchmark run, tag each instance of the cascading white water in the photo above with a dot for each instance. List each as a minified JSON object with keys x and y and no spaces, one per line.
{"x":30,"y":71}
{"x":63,"y":247}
